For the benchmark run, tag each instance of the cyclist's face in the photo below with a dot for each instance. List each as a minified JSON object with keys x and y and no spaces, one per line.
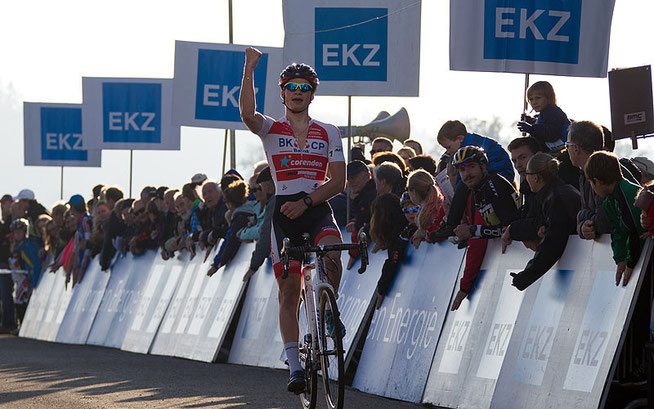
{"x":472,"y":174}
{"x":297,"y":100}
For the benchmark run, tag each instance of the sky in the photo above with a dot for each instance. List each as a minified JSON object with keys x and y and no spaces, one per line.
{"x":47,"y":47}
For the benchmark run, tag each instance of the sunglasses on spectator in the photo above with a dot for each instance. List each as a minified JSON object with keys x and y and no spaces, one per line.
{"x":414,"y":209}
{"x":294,"y":86}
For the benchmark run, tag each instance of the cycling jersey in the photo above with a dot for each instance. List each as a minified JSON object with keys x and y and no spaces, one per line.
{"x":497,"y":201}
{"x":296,"y":170}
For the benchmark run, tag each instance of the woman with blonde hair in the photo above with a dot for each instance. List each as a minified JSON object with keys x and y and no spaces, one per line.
{"x":423,"y":191}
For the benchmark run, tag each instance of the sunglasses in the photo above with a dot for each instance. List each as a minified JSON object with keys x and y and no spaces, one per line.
{"x":294,"y":86}
{"x":414,"y":209}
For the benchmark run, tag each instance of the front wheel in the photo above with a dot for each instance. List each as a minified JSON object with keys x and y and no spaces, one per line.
{"x":331,"y":350}
{"x":308,"y":397}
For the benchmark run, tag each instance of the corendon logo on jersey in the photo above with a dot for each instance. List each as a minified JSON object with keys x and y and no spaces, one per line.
{"x":292,"y":166}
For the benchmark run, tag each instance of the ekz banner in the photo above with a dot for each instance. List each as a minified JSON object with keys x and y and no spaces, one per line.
{"x":372,"y":49}
{"x":53,"y":136}
{"x":208,"y":82}
{"x":557,"y":37}
{"x":129,"y":113}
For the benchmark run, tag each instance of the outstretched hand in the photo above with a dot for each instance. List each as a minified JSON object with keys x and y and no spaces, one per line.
{"x":458,"y":299}
{"x":252,"y":56}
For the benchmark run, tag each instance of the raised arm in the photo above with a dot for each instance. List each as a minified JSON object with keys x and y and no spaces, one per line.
{"x":246,"y":100}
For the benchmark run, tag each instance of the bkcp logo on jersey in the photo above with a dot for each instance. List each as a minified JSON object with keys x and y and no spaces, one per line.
{"x":61,"y":134}
{"x":290,"y":166}
{"x":131,"y":112}
{"x":351,"y":44}
{"x":219,"y":82}
{"x":532,"y":30}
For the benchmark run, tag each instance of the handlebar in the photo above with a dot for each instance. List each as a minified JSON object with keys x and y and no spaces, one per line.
{"x":361,"y":246}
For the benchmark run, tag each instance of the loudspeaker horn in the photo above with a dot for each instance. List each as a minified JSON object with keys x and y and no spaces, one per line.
{"x":396,"y":127}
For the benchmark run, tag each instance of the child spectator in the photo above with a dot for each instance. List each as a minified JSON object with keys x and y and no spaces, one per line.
{"x":386,"y":225}
{"x":604,"y":173}
{"x":410,"y":211}
{"x":555,"y":213}
{"x":550,"y":126}
{"x":238,"y":216}
{"x":423,"y":191}
{"x":453,"y":136}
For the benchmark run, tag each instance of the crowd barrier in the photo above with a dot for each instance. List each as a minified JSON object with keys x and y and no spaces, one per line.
{"x":496,"y":351}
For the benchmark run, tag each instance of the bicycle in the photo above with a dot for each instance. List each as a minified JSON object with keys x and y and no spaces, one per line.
{"x":321,"y":347}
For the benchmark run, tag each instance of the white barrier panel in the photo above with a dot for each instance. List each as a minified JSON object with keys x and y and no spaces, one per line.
{"x":475,"y":337}
{"x":56,"y":307}
{"x":257,"y":340}
{"x":404,"y":332}
{"x":578,"y":308}
{"x":112,"y":321}
{"x":84,"y":304}
{"x":37,"y":307}
{"x":223,"y":292}
{"x":150,"y":309}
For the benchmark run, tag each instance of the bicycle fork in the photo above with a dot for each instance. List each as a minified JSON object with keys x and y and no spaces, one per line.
{"x":312,"y":324}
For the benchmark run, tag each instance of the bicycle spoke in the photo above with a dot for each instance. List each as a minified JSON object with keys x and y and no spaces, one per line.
{"x":331,"y":353}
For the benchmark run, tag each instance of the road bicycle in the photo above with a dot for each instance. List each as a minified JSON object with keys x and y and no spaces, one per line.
{"x":321,"y":347}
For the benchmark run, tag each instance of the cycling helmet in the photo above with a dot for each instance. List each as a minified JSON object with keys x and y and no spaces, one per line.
{"x":18,"y":224}
{"x":469,"y":153}
{"x":296,"y":70}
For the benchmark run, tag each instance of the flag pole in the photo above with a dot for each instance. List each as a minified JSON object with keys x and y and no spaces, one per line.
{"x":61,"y":189}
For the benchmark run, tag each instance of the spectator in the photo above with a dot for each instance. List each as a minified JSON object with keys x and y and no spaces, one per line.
{"x":550,"y":126}
{"x":262,"y":248}
{"x":362,"y":192}
{"x":196,"y":207}
{"x":99,"y":216}
{"x":388,"y":177}
{"x":358,"y":153}
{"x":410,"y":211}
{"x":423,"y":191}
{"x":238,"y":216}
{"x":424,"y":162}
{"x":215,"y":209}
{"x":112,"y":195}
{"x":584,"y":138}
{"x":97,"y":193}
{"x":385,"y":227}
{"x":556,"y":217}
{"x":603,"y":171}
{"x":382,"y":157}
{"x":609,"y":146}
{"x":8,"y":317}
{"x":415,"y":145}
{"x":148,"y":193}
{"x":81,"y":251}
{"x":198,"y":179}
{"x":494,"y":197}
{"x":644,"y":201}
{"x":142,"y":238}
{"x":114,"y":227}
{"x":646,"y":167}
{"x":381,"y":144}
{"x":406,"y":153}
{"x":250,"y":233}
{"x":522,"y":149}
{"x":26,"y":250}
{"x":452,"y":136}
{"x":29,"y":208}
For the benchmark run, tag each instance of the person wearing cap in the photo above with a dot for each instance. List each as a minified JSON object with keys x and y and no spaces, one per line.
{"x":81,"y":252}
{"x":8,"y":316}
{"x":362,"y":192}
{"x":646,"y":167}
{"x":148,"y":193}
{"x":27,"y":251}
{"x":198,"y":179}
{"x":262,"y":248}
{"x":29,"y":207}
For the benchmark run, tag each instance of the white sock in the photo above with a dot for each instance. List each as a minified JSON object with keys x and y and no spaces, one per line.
{"x":292,"y":354}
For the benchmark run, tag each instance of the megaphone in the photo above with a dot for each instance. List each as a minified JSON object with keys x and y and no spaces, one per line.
{"x":395,"y":127}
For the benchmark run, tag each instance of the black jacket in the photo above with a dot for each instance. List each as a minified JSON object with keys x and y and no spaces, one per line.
{"x":213,"y":221}
{"x":361,"y":205}
{"x":396,"y":251}
{"x":113,"y":227}
{"x":559,"y":204}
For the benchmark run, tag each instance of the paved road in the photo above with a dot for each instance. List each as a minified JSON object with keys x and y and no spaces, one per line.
{"x":44,"y":375}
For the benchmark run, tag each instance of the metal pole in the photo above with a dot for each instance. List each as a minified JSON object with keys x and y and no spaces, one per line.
{"x":61,"y":191}
{"x":349,"y":147}
{"x":131,"y":163}
{"x":524,"y":95}
{"x":224,"y":154}
{"x":232,"y":133}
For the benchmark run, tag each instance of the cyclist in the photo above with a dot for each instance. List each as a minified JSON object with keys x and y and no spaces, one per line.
{"x":301,"y":153}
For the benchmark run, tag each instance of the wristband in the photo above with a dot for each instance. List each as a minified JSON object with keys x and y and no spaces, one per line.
{"x":307,"y":201}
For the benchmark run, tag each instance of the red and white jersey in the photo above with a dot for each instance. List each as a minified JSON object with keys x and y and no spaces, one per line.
{"x":299,"y":170}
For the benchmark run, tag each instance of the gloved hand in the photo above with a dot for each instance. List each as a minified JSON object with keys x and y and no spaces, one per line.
{"x":520,"y":281}
{"x":524,"y":127}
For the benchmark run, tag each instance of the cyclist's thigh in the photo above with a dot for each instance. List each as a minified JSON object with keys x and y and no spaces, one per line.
{"x":326,"y":232}
{"x":277,"y":235}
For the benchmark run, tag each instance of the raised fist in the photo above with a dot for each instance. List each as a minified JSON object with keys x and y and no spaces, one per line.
{"x":252,"y":56}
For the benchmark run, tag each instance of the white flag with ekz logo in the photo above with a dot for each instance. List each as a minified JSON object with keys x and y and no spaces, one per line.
{"x":556,"y":37}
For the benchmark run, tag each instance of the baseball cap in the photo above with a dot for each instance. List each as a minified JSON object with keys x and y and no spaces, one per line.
{"x":76,"y":200}
{"x":148,"y":192}
{"x":18,"y":224}
{"x":264,"y":175}
{"x":26,"y":194}
{"x":645,"y":165}
{"x":355,"y":167}
{"x":199,"y":178}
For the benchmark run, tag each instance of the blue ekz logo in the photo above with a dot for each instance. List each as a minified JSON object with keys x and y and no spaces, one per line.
{"x":532,"y":30}
{"x":131,"y":112}
{"x":220,"y":73}
{"x":358,"y":52}
{"x":61,"y":134}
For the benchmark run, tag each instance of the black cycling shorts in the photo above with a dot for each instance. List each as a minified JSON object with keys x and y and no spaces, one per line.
{"x":318,"y":221}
